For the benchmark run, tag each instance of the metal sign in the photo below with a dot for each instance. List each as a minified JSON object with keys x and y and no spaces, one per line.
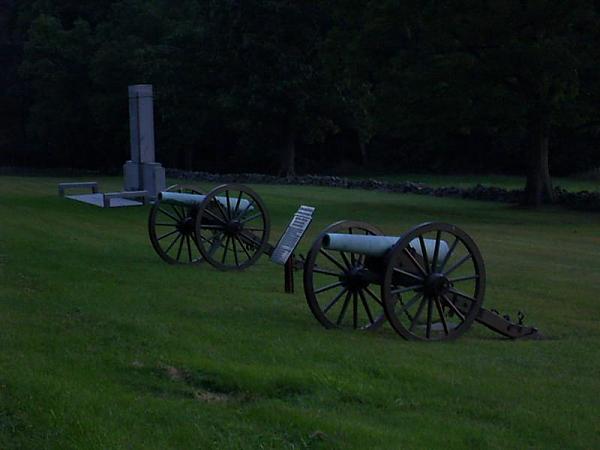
{"x":293,"y":234}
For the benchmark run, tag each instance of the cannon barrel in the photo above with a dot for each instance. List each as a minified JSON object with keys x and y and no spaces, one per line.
{"x":178,"y":198}
{"x":377,"y":245}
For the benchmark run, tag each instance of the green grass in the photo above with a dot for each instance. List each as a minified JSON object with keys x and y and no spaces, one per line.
{"x":104,"y":346}
{"x":503,"y":181}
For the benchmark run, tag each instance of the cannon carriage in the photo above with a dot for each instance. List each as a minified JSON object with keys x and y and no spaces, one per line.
{"x":228,"y":227}
{"x":429,"y":283}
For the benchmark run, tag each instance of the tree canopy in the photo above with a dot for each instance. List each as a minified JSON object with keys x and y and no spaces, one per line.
{"x":281,"y":86}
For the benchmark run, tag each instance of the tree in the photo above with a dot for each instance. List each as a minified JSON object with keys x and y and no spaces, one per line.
{"x":56,"y":65}
{"x":347,"y":69}
{"x":156,"y":43}
{"x":263,"y":85}
{"x":504,"y":67}
{"x":11,"y":92}
{"x":524,"y":62}
{"x":281,"y":90}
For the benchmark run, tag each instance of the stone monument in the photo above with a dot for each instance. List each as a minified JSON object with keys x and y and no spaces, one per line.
{"x":142,"y":172}
{"x":144,"y":177}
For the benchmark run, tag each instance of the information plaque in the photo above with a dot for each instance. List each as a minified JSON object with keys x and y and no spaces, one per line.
{"x":294,"y":232}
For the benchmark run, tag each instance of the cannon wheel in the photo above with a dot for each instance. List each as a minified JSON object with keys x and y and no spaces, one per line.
{"x":172,"y":231}
{"x":232,"y":227}
{"x":329,"y":287}
{"x":433,"y":292}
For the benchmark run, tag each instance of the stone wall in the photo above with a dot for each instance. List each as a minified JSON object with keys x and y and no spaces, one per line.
{"x":578,"y":200}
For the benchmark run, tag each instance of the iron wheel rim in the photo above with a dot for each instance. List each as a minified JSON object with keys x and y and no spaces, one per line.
{"x":429,"y":281}
{"x":171,"y":229}
{"x":363,"y":299}
{"x":231,"y":236}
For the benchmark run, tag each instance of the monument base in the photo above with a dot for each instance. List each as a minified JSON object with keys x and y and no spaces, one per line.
{"x":98,"y":200}
{"x":147,"y":176}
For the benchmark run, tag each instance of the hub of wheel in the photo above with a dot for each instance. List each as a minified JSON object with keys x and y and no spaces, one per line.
{"x":186,"y":226}
{"x":355,"y":279}
{"x":436,"y":284}
{"x":233,"y":227}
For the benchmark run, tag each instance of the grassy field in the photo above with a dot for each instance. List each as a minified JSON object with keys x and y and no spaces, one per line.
{"x":503,"y":181}
{"x":104,"y":346}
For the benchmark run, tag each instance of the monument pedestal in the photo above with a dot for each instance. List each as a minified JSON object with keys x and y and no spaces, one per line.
{"x":149,"y":175}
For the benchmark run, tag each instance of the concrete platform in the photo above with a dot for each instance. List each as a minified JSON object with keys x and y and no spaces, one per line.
{"x":98,"y":200}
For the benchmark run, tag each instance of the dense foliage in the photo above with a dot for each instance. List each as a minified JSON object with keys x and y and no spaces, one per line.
{"x":280,"y":86}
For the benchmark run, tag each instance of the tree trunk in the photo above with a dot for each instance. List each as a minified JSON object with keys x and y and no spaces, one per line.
{"x":363,"y":152}
{"x":288,"y":153}
{"x":539,"y":184}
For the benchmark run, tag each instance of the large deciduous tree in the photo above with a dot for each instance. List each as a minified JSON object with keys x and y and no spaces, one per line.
{"x":532,"y":57}
{"x":347,"y":65}
{"x":438,"y":69}
{"x":282,"y":92}
{"x":524,"y":64}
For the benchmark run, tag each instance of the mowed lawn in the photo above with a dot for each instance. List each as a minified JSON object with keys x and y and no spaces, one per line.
{"x":105,"y":346}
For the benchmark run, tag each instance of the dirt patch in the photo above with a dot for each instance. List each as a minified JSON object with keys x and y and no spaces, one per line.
{"x":209,"y":387}
{"x":174,"y":374}
{"x":211,"y":397}
{"x":203,"y":387}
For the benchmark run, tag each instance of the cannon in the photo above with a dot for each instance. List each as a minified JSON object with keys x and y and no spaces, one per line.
{"x":429,"y":283}
{"x":228,"y":227}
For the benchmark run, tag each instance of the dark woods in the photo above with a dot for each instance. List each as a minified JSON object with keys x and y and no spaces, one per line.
{"x":306,"y":86}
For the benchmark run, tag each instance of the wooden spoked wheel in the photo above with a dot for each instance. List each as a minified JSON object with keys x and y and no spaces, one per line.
{"x":232,"y":227}
{"x":434,"y":283}
{"x":172,"y":230}
{"x":339,"y":285}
